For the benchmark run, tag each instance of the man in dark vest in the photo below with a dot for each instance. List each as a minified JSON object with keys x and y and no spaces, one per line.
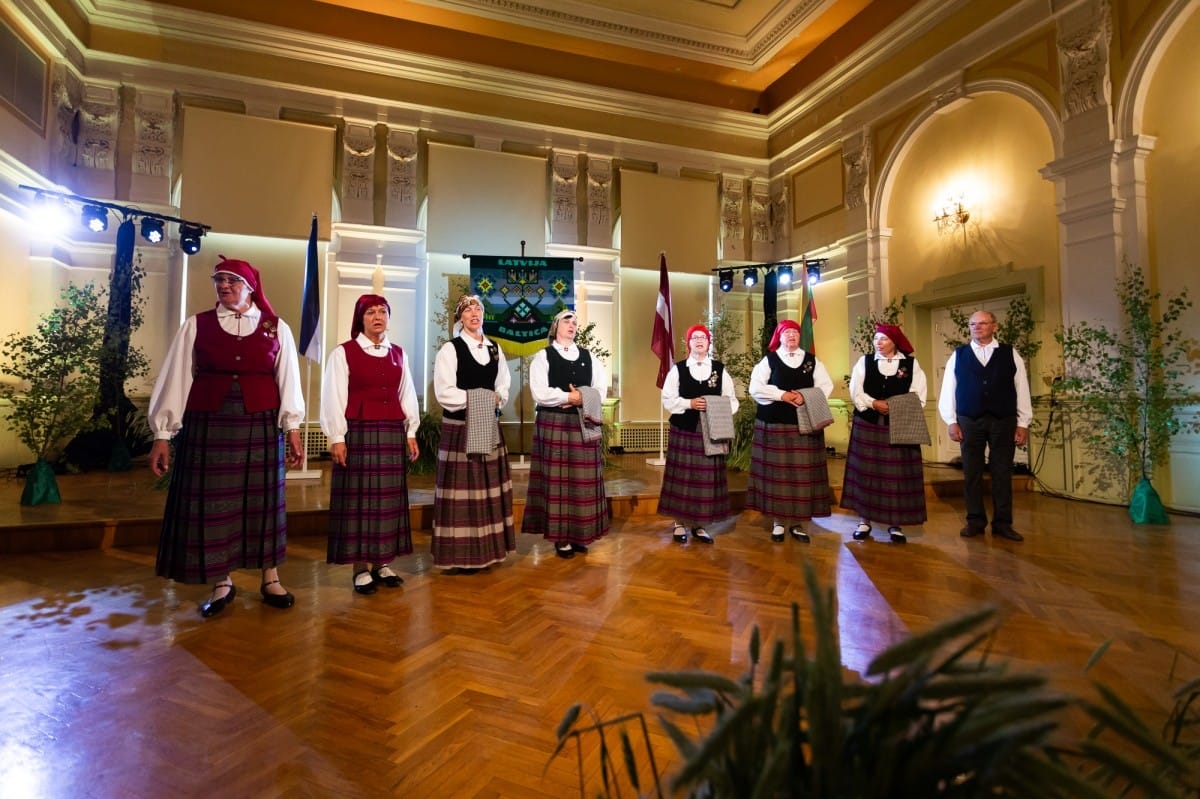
{"x":985,"y":401}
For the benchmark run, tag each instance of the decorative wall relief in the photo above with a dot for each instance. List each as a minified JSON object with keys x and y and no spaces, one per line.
{"x":565,"y":170}
{"x":1083,"y":60}
{"x":99,"y":118}
{"x":599,"y":200}
{"x":358,"y":162}
{"x":153,"y":130}
{"x":402,"y":168}
{"x":733,"y":226}
{"x":67,"y":95}
{"x":781,"y":229}
{"x":857,"y":160}
{"x":760,"y":212}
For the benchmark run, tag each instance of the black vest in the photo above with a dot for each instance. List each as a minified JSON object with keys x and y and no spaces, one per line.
{"x":690,"y":387}
{"x":471,"y":373}
{"x":788,"y":379}
{"x":563,"y":373}
{"x":882,"y":387}
{"x":985,"y":390}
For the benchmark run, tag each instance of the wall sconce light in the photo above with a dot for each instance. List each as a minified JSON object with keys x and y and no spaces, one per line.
{"x":750,"y":276}
{"x":953,"y":215}
{"x":725,"y":277}
{"x":785,"y":274}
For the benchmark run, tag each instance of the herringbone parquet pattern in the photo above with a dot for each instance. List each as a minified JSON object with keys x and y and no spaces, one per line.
{"x":451,"y":686}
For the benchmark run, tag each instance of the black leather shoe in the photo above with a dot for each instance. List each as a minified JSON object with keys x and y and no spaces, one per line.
{"x":362,"y":588}
{"x":862,"y":532}
{"x":679,"y":534}
{"x":798,"y":533}
{"x":388,"y":580}
{"x":565,"y":554}
{"x":777,"y":534}
{"x":897,"y":535}
{"x":970,"y":531}
{"x":580,"y":548}
{"x":212,"y":606}
{"x":282,"y":601}
{"x":701,"y":535}
{"x":1007,"y":533}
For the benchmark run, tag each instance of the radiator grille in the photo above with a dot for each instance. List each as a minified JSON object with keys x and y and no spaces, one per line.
{"x":642,"y":436}
{"x":317,"y":441}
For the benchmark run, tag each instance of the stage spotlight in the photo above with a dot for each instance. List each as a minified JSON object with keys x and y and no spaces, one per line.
{"x":750,"y":277}
{"x":189,"y":238}
{"x":94,"y":218}
{"x":152,"y":229}
{"x":814,"y":274}
{"x":785,"y":274}
{"x":726,"y":278}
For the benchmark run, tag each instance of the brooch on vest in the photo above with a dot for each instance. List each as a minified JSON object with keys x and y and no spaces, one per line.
{"x":268,"y":328}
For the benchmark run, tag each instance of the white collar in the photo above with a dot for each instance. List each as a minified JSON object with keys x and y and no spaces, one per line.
{"x":367,"y":344}
{"x":251,"y":313}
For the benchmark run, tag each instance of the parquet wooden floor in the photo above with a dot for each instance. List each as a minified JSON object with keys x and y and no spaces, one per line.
{"x":112,"y":686}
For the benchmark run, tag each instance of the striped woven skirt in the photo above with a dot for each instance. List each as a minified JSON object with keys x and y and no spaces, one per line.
{"x":789,"y":479}
{"x":565,"y":502}
{"x":883,"y":483}
{"x":368,"y":498}
{"x":225,"y":506}
{"x":695,"y":490}
{"x":473,"y":503}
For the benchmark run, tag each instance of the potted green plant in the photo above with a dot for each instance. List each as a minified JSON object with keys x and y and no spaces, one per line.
{"x":1127,"y":383}
{"x":933,"y":716}
{"x":55,"y":383}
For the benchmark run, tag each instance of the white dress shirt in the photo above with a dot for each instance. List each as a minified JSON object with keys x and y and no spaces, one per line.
{"x":335,"y":390}
{"x":887,"y":367}
{"x":700,"y":370}
{"x":169,"y":399}
{"x":765,"y":393}
{"x":445,"y":374}
{"x":539,"y":376}
{"x":947,"y":404}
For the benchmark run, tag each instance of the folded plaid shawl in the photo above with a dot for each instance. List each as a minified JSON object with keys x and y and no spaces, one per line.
{"x":717,"y":425}
{"x":906,"y":420}
{"x":591,"y":413}
{"x":814,"y":415}
{"x":483,"y":434}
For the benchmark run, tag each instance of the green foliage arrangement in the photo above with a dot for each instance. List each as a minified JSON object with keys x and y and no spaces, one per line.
{"x":1128,"y":383}
{"x":1015,"y":329}
{"x":862,"y":338}
{"x":739,"y":360}
{"x":429,"y":438}
{"x":933,"y":717}
{"x":57,"y":381}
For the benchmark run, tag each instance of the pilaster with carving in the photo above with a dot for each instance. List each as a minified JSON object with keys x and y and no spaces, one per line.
{"x":733,"y":218}
{"x":564,"y":212}
{"x":402,"y":178}
{"x":358,"y":172}
{"x":99,"y":117}
{"x":153,"y":132}
{"x":781,"y":220}
{"x":856,"y":159}
{"x":599,"y":200}
{"x":760,"y":220}
{"x":66,"y":96}
{"x":1084,"y":59}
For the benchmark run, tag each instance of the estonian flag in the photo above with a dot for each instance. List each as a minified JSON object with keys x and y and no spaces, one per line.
{"x":310,"y":311}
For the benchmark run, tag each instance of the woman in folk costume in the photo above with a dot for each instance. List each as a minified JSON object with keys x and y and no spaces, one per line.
{"x":229,"y":394}
{"x":566,"y":501}
{"x":789,"y":478}
{"x":884,"y":482}
{"x":473,"y":499}
{"x":370,"y":414}
{"x":695,"y":490}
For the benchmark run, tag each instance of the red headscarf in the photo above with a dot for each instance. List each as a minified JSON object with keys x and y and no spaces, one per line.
{"x":253,"y":280}
{"x":698,"y":329}
{"x":898,"y":338}
{"x":786,"y":324}
{"x":360,"y":308}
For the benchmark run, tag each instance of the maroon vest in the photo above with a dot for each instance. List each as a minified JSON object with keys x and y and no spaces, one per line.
{"x":222,"y":359}
{"x":373,"y":390}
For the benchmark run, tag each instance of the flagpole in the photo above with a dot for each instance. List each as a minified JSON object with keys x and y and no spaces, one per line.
{"x":662,"y":342}
{"x":304,"y":473}
{"x":310,"y":338}
{"x":661,"y":459}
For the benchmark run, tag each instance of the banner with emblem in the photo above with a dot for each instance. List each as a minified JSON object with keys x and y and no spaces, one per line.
{"x":520,"y":298}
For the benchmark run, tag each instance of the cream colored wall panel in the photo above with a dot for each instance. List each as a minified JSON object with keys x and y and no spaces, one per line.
{"x":678,"y":216}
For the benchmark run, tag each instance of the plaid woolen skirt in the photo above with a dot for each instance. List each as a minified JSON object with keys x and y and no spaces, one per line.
{"x":368,"y":498}
{"x":473,"y":503}
{"x":883,"y":483}
{"x":565,"y":502}
{"x":225,"y":506}
{"x":695,"y":490}
{"x":789,"y":479}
